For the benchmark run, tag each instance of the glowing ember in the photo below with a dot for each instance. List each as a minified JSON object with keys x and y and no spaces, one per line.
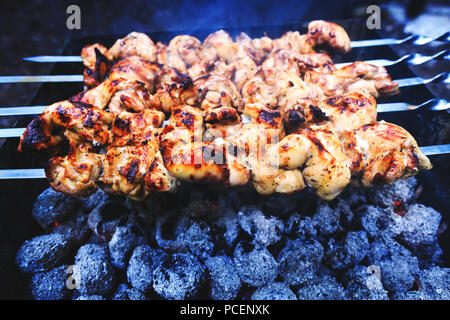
{"x":399,"y":208}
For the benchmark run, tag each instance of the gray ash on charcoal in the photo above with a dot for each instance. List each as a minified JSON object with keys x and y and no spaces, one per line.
{"x":201,"y":243}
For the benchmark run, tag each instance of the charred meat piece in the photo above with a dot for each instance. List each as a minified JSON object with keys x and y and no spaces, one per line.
{"x":77,"y":122}
{"x":173,"y":89}
{"x":133,"y":164}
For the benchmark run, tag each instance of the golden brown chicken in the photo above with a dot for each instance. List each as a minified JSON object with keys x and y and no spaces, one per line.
{"x":323,"y":32}
{"x":137,"y":69}
{"x":86,"y":129}
{"x":162,"y":53}
{"x":356,"y":76}
{"x":183,"y":52}
{"x":383,"y":152}
{"x":248,"y":94}
{"x":349,"y":111}
{"x":293,"y":41}
{"x":298,"y":100}
{"x":206,"y":68}
{"x":134,"y":44}
{"x":190,"y":158}
{"x":250,"y":142}
{"x":326,"y":166}
{"x":97,"y":62}
{"x":173,"y":89}
{"x":219,"y":45}
{"x":256,"y":48}
{"x":217,"y":91}
{"x":257,"y":90}
{"x":279,"y":62}
{"x":288,"y":61}
{"x":91,"y":53}
{"x":76,"y":173}
{"x":133,"y":164}
{"x":244,"y":68}
{"x":77,"y":122}
{"x":262,"y":126}
{"x":116,"y":96}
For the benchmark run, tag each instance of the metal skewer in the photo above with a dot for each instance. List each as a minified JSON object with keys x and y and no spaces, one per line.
{"x":11,"y":132}
{"x":413,"y":59}
{"x":9,"y":174}
{"x":44,"y":78}
{"x":432,"y":104}
{"x":12,"y":174}
{"x":413,"y":39}
{"x":54,"y":59}
{"x":21,"y":111}
{"x":442,"y":77}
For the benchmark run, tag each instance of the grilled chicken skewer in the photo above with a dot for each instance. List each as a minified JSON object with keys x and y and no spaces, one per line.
{"x":321,"y":154}
{"x":414,"y":39}
{"x":280,"y":86}
{"x":8,"y":174}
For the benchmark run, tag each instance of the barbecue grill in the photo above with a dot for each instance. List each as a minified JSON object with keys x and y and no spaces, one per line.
{"x":428,"y":124}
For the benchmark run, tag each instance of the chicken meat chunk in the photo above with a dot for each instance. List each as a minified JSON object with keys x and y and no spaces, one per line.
{"x":133,"y":164}
{"x":353,"y":77}
{"x":189,"y":158}
{"x":116,"y":96}
{"x":76,"y":173}
{"x":323,"y":32}
{"x":72,"y":121}
{"x":383,"y":152}
{"x":319,"y":151}
{"x":183,"y":52}
{"x":134,"y":44}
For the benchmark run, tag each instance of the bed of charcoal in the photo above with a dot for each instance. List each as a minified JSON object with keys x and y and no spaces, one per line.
{"x":201,"y":243}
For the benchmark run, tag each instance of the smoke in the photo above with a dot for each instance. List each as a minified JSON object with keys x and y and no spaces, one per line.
{"x":192,"y":15}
